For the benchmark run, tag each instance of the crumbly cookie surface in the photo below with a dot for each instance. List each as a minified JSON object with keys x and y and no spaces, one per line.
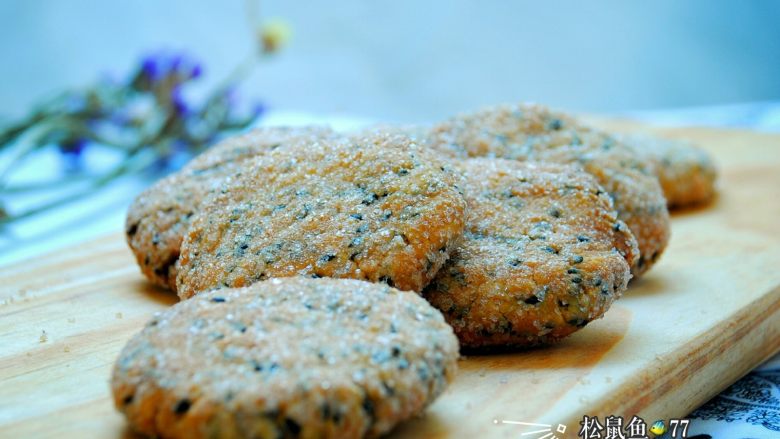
{"x":687,"y":173}
{"x":543,"y":254}
{"x":290,"y":357}
{"x":376,"y":207}
{"x":158,"y":218}
{"x":534,"y":133}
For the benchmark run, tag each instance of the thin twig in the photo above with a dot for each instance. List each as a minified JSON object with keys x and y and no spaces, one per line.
{"x":40,"y":185}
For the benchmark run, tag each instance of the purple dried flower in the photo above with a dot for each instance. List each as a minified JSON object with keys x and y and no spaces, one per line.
{"x":159,"y":65}
{"x":72,"y":150}
{"x":150,"y":67}
{"x":177,"y":101}
{"x":258,"y":109}
{"x":73,"y":147}
{"x":196,"y":71}
{"x":175,"y":61}
{"x":184,"y":66}
{"x":124,"y":113}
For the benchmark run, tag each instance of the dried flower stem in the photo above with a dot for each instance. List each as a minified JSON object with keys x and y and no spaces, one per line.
{"x":146,"y":118}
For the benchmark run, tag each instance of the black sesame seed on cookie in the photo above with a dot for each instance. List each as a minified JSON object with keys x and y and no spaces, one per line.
{"x":286,"y":357}
{"x":521,"y":276}
{"x":363,"y":218}
{"x":535,"y":133}
{"x":159,"y":217}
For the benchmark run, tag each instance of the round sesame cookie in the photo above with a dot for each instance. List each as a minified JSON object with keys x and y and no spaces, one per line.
{"x":377,"y":208}
{"x":543,"y":254}
{"x":687,"y":173}
{"x":532,"y":132}
{"x":254,"y":142}
{"x":287,"y":357}
{"x":158,"y":218}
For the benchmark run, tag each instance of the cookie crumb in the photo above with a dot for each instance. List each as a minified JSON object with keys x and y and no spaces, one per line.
{"x":43,"y":338}
{"x":119,"y":315}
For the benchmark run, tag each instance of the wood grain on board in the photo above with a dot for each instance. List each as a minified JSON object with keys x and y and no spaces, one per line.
{"x":704,"y":316}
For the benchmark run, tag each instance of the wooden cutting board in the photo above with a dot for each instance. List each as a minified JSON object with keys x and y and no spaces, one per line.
{"x":703,"y":317}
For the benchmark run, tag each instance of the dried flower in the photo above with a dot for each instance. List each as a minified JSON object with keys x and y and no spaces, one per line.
{"x":147,"y":117}
{"x":72,"y":150}
{"x":274,"y":34}
{"x":147,"y":112}
{"x":258,"y":109}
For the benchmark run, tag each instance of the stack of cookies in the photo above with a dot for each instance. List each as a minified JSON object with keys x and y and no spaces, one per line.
{"x":331,"y":278}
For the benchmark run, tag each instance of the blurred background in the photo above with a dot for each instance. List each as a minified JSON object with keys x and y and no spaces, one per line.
{"x":413,"y":60}
{"x":158,"y":68}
